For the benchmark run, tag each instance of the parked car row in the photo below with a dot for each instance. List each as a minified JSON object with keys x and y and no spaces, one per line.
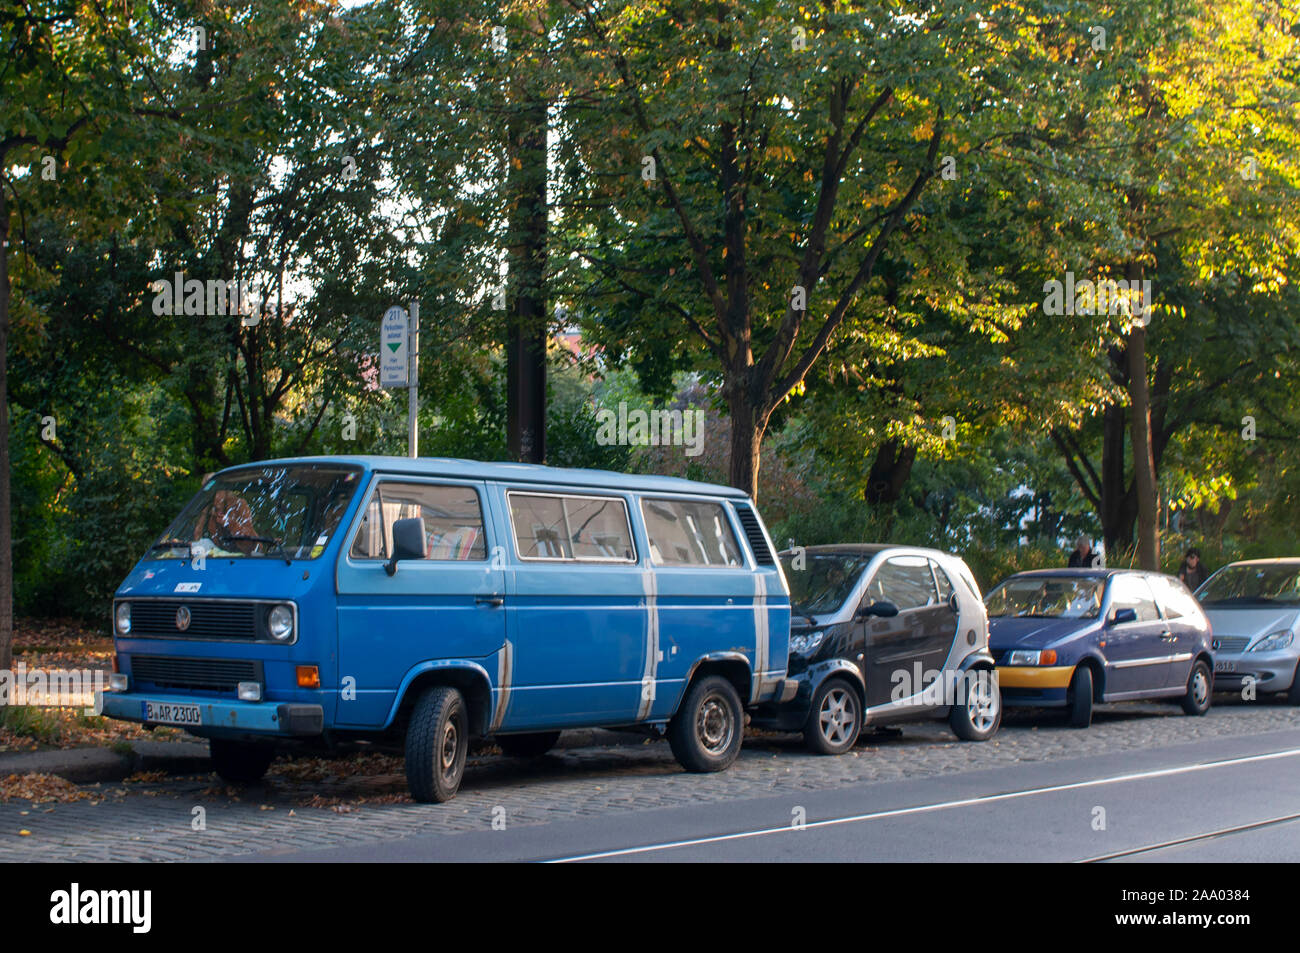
{"x":422,"y":603}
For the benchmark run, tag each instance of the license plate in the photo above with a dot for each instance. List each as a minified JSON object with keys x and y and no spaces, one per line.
{"x":1225,"y":666}
{"x":166,"y":713}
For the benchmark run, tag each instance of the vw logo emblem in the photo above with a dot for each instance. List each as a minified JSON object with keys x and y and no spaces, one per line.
{"x":1214,"y":644}
{"x":183,"y":618}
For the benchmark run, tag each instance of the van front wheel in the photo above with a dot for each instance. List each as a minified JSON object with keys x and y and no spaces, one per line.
{"x":437,"y":741}
{"x":240,"y":762}
{"x":707,"y":730}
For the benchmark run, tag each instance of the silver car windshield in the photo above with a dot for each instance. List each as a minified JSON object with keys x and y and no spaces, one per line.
{"x":1252,"y":586}
{"x":1047,"y":597}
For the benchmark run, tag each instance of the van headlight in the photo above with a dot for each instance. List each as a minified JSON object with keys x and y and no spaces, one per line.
{"x":122,"y":618}
{"x":279,"y":623}
{"x":1274,"y":641}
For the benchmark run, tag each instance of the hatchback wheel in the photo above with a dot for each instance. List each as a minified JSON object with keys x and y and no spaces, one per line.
{"x":1079,"y":698}
{"x":707,"y":731}
{"x":835,"y":718}
{"x":437,"y":741}
{"x":978,"y":713}
{"x":1197,"y":699}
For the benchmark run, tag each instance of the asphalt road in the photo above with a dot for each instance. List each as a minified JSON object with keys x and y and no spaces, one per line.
{"x":1215,"y":799}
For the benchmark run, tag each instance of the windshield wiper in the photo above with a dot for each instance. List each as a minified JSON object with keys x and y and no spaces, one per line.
{"x":170,"y":544}
{"x":243,"y":538}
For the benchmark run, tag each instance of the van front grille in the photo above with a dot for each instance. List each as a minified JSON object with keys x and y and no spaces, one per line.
{"x":156,"y":618}
{"x":203,"y":674}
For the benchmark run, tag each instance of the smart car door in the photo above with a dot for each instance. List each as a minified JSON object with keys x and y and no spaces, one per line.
{"x":906,"y":652}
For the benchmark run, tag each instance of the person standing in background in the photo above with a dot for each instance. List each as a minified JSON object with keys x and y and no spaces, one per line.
{"x":1083,"y":556}
{"x":1193,"y":572}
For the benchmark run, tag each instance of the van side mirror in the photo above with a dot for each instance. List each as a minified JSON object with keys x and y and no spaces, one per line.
{"x":886,"y":610}
{"x":408,"y":542}
{"x":1123,"y":616}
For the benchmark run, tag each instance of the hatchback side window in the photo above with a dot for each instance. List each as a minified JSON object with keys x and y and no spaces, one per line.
{"x":689,"y":533}
{"x":1132,"y":592}
{"x":453,"y":520}
{"x":906,"y":581}
{"x":1175,"y":599}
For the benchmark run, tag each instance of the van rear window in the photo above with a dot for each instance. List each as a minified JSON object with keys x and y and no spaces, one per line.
{"x":689,"y":533}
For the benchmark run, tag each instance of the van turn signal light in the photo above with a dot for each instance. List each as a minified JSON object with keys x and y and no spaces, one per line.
{"x":308,"y":676}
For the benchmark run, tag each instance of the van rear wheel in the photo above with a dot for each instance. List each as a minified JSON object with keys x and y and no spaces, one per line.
{"x":528,"y":746}
{"x":437,"y":741}
{"x":240,"y":762}
{"x":707,"y":731}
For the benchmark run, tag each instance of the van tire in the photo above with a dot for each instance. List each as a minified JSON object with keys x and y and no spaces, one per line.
{"x":709,"y":727}
{"x":1079,"y":698}
{"x":240,"y":762}
{"x":1199,"y":686}
{"x":437,"y":742}
{"x":845,"y":705}
{"x":528,"y":746}
{"x":966,"y":723}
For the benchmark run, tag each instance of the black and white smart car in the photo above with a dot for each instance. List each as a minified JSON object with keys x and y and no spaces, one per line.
{"x":883,"y":634}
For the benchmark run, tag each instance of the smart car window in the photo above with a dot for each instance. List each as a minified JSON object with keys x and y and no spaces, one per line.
{"x":941,"y":578}
{"x":689,"y":533}
{"x":904,"y":581}
{"x":1132,"y":592}
{"x":453,"y":521}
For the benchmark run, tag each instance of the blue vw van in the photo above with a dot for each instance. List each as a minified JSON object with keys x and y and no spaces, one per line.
{"x":428,"y":601}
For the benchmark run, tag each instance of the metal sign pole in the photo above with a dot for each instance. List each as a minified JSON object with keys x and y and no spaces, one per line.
{"x":413,"y":383}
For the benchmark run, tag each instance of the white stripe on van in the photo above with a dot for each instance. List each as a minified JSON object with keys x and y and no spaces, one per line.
{"x":505,"y":673}
{"x":650,"y":586}
{"x":761,"y":634}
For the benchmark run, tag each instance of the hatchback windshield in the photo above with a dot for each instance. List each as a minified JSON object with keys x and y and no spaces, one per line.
{"x":824,"y":581}
{"x":1047,"y":597}
{"x":1246,"y":585}
{"x":285,"y":512}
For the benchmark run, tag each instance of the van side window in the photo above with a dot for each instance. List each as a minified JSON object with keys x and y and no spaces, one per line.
{"x":571,"y":527}
{"x":689,"y":533}
{"x":453,"y":519}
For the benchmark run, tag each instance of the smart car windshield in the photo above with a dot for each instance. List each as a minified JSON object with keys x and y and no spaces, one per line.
{"x":1247,"y":585}
{"x":820,"y":582}
{"x":284,"y":512}
{"x":1047,"y":597}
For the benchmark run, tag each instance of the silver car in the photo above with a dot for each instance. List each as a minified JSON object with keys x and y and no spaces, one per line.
{"x":1254,"y":611}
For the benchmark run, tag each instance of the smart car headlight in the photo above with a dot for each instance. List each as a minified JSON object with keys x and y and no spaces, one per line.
{"x":1274,"y":641}
{"x":807,"y":641}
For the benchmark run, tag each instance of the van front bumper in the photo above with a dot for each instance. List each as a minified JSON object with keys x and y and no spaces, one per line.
{"x":265,"y":718}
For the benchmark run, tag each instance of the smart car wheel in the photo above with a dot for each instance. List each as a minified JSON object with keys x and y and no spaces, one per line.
{"x":707,"y":731}
{"x":240,"y":762}
{"x":977,"y":713}
{"x":437,"y":741}
{"x":1197,"y":699}
{"x":528,"y":746}
{"x":835,"y":718}
{"x":1079,"y":698}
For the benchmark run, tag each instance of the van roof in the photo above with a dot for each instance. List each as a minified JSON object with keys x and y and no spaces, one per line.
{"x":515,"y":473}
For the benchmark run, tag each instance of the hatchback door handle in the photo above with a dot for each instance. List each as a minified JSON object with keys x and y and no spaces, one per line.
{"x":492,"y":601}
{"x":1168,"y":637}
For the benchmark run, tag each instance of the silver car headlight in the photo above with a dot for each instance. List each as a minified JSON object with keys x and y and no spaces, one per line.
{"x":279,"y":623}
{"x":806,"y":642}
{"x":122,"y":618}
{"x":1274,"y":641}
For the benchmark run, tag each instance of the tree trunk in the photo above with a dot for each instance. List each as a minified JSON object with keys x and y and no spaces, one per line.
{"x":889,"y":473}
{"x":747,"y":428}
{"x":6,"y":524}
{"x":1144,"y":467}
{"x":527,"y":325}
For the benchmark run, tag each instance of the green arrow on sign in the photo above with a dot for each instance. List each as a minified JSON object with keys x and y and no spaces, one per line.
{"x":394,"y":346}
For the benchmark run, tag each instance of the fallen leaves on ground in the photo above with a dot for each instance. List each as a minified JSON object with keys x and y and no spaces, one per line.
{"x":43,"y":789}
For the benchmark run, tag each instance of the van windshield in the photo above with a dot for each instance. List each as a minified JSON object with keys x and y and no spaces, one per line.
{"x":820,"y":582}
{"x":275,"y":512}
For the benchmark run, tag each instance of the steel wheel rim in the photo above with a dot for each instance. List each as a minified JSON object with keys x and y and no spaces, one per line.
{"x":713,"y":725}
{"x":450,"y":748}
{"x":836,"y":718}
{"x":1200,"y":687}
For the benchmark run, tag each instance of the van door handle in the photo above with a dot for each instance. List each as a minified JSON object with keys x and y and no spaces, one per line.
{"x":493,"y":601}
